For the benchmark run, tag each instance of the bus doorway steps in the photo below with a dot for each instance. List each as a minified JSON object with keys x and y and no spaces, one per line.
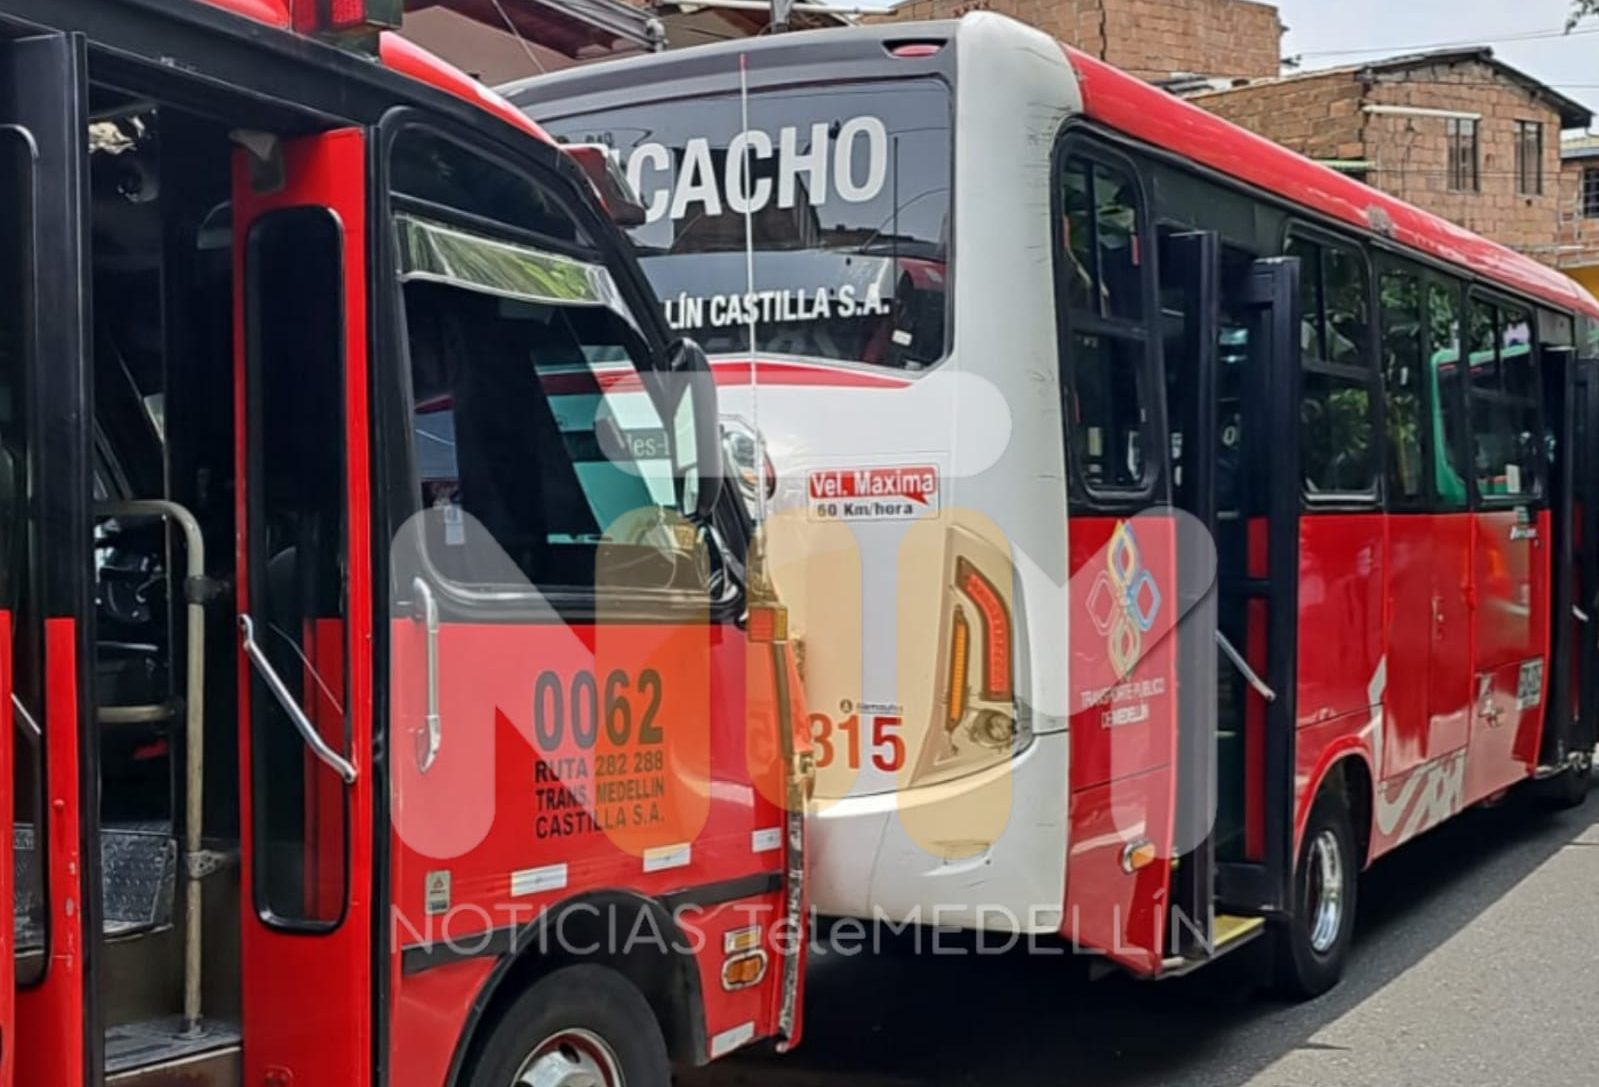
{"x":136,"y":1052}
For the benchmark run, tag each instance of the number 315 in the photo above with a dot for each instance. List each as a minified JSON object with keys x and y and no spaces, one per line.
{"x":843,"y":736}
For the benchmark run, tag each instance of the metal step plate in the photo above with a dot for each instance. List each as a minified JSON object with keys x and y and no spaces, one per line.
{"x":162,"y":1042}
{"x":140,"y":869}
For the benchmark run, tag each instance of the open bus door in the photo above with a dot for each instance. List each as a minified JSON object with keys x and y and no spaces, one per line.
{"x":44,"y":606}
{"x":1575,"y":680}
{"x":304,"y":600}
{"x":1585,"y":541}
{"x":1233,"y":383}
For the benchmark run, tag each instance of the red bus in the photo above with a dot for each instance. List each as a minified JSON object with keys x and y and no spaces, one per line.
{"x":1176,"y":525}
{"x":384,"y":699}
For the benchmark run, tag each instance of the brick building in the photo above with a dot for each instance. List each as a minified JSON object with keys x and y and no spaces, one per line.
{"x":1162,"y":41}
{"x":1576,"y":250}
{"x":1457,"y":132}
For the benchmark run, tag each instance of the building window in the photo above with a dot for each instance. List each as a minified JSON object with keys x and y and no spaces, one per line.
{"x":1463,"y":176}
{"x":1529,"y":158}
{"x":1590,"y":193}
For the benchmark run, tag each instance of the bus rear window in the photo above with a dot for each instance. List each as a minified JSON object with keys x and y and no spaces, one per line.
{"x":844,"y":192}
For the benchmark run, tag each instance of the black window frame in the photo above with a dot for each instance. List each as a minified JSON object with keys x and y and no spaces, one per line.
{"x":257,"y":572}
{"x":1145,"y":331}
{"x":1538,"y":496}
{"x":1464,"y":151}
{"x":1369,"y":372}
{"x":1529,"y":168}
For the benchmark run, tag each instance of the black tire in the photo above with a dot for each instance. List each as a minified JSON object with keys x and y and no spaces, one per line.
{"x":1569,"y":788}
{"x":1310,"y":954}
{"x":565,"y":1014}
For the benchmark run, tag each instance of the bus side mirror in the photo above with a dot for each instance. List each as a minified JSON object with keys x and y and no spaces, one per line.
{"x":696,"y":430}
{"x":616,"y":194}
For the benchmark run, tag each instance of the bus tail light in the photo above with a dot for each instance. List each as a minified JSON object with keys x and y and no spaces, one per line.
{"x":978,"y":725}
{"x":913,"y":50}
{"x":347,"y":16}
{"x":959,"y":655}
{"x":996,"y":630}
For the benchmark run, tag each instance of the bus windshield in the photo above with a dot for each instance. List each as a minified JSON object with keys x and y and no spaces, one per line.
{"x":843,"y":190}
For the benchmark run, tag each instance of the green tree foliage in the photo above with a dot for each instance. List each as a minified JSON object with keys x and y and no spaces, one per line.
{"x":1580,"y":10}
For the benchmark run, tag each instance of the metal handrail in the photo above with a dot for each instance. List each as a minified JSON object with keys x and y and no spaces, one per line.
{"x":193,"y":726}
{"x":432,"y":723}
{"x":1247,"y":672}
{"x":25,"y":717}
{"x":285,"y":699}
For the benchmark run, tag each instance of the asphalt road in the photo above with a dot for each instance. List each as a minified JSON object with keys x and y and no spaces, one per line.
{"x":1476,"y":963}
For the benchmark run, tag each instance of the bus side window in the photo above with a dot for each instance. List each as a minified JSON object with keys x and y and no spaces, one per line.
{"x":1506,"y":432}
{"x":1101,"y":278}
{"x":1403,"y":399}
{"x":1337,"y":435}
{"x":1446,"y":385}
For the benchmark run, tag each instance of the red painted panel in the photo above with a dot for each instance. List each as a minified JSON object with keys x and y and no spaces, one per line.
{"x":1511,"y":636}
{"x":1450,"y":686}
{"x":1184,"y":128}
{"x":1123,"y":690}
{"x":410,"y":59}
{"x":334,"y":1046}
{"x":1408,"y":625}
{"x":1107,"y":909}
{"x":1123,"y":664}
{"x":430,"y":1011}
{"x":1340,"y":614}
{"x":1319,"y":748}
{"x":655,"y":775}
{"x":52,"y":1012}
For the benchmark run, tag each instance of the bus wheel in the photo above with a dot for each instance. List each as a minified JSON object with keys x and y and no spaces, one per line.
{"x":1569,"y":788}
{"x":582,"y":1026}
{"x":1313,"y":942}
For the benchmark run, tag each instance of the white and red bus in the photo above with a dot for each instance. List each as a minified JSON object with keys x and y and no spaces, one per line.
{"x":1172,"y":525}
{"x":385,"y":697}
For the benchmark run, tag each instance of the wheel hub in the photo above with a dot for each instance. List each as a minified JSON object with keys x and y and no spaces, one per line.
{"x":572,"y":1058}
{"x":1325,"y":897}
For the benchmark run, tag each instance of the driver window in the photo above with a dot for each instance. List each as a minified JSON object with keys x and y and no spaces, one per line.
{"x":538,"y":445}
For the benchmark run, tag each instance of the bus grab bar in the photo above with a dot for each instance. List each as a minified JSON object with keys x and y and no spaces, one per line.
{"x":25,"y":717}
{"x":280,"y":691}
{"x":428,"y":607}
{"x":193,"y":707}
{"x":1247,"y":672}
